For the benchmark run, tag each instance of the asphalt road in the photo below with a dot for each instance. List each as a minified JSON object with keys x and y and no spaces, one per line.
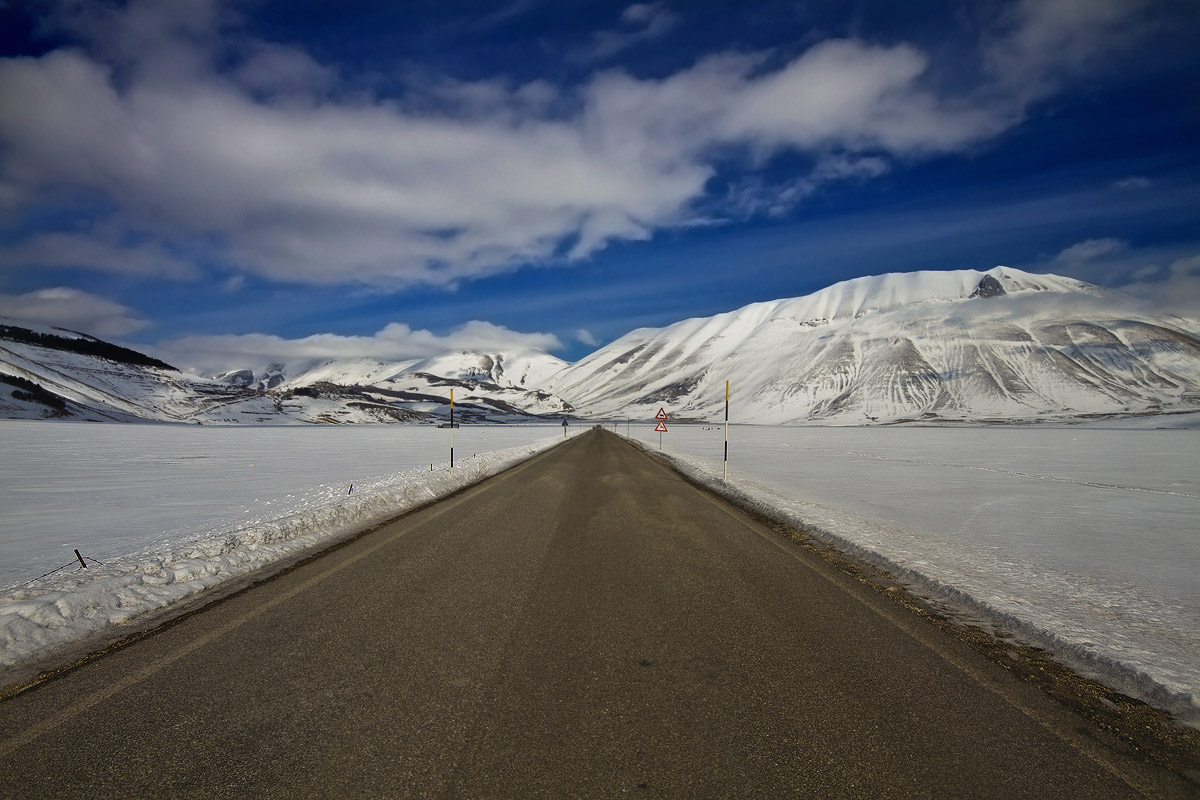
{"x":586,"y":624}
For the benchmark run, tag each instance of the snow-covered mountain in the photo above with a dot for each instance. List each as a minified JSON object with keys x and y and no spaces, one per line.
{"x":1001,"y":345}
{"x":306,"y":372}
{"x":54,"y":373}
{"x":517,"y":369}
{"x":514,"y":369}
{"x":506,"y":383}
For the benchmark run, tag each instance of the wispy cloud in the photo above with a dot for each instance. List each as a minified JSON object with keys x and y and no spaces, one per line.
{"x":585,"y":337}
{"x":641,"y":22}
{"x":1133,"y":182}
{"x":1042,"y":44}
{"x":1174,"y":289}
{"x":96,"y":250}
{"x":1090,"y":250}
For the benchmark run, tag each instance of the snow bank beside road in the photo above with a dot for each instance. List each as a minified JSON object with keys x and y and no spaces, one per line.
{"x":1081,"y":542}
{"x":69,"y":607}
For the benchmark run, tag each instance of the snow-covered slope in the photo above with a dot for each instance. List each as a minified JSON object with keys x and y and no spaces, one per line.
{"x":84,"y":386}
{"x":487,"y":385}
{"x":306,"y":372}
{"x":997,"y":345}
{"x":515,"y":368}
{"x":44,"y":374}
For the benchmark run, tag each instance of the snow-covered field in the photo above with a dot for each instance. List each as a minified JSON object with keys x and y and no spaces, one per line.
{"x":1081,"y":539}
{"x":172,"y":510}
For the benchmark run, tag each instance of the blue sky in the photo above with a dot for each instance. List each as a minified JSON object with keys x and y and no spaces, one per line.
{"x":230,"y":183}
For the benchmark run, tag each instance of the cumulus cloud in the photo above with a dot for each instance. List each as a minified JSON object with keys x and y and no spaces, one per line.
{"x":278,"y":71}
{"x":194,"y":134}
{"x":395,"y":342}
{"x":74,"y":310}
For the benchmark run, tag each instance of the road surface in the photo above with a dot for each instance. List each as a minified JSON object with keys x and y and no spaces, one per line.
{"x":586,"y":624}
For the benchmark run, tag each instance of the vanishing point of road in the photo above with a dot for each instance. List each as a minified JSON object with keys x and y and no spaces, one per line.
{"x":586,"y":624}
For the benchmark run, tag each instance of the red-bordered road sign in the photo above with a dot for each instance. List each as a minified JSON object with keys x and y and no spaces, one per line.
{"x":661,"y":427}
{"x":662,"y":414}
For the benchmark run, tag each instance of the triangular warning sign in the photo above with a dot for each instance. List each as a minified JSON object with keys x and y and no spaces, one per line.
{"x":661,"y":427}
{"x":662,"y":414}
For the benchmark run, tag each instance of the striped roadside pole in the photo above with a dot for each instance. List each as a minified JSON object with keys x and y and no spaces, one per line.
{"x":725,"y":476}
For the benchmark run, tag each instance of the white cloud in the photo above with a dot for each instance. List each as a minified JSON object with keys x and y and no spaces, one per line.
{"x":233,"y":283}
{"x":257,"y":148}
{"x":1090,"y":250}
{"x":585,"y":337}
{"x":1175,"y":290}
{"x":395,"y":342}
{"x":272,"y":69}
{"x":640,"y":22}
{"x":1132,"y":182}
{"x":74,"y":310}
{"x":1146,"y":272}
{"x":1044,"y":43}
{"x":753,"y":196}
{"x":1181,"y":290}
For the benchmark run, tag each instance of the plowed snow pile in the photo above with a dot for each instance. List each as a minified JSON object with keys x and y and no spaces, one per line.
{"x":166,"y":512}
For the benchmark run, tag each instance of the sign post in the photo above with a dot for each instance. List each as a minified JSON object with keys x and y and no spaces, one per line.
{"x":451,"y":432}
{"x":725,"y":476}
{"x":661,"y":427}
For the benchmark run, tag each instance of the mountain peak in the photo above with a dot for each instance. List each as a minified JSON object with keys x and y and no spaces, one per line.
{"x":903,"y":346}
{"x":856,"y":297}
{"x":988,"y":287}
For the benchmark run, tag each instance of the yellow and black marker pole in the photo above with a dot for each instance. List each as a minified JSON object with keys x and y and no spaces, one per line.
{"x":451,"y":431}
{"x":725,"y":476}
